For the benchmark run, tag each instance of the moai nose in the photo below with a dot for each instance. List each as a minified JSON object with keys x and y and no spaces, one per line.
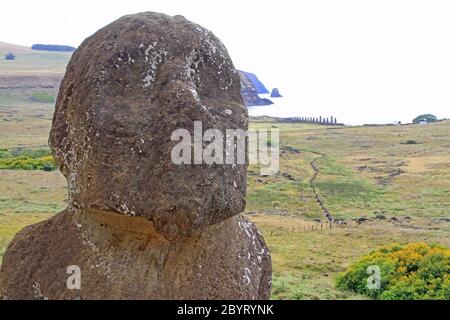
{"x":175,"y":79}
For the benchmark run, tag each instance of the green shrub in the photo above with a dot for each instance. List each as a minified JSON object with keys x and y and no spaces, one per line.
{"x":425,"y":117}
{"x":25,"y":163}
{"x":30,"y":153}
{"x":4,"y":153}
{"x":42,"y":97}
{"x":48,"y":166}
{"x":27,"y":159}
{"x":414,"y":271}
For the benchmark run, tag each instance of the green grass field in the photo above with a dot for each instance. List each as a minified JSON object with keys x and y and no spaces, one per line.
{"x":364,"y":172}
{"x":32,"y":62}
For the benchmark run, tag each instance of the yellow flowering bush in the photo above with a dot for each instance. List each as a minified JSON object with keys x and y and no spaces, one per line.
{"x":406,"y":272}
{"x":27,"y":160}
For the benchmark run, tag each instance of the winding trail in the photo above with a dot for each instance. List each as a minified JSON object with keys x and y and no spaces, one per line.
{"x":316,"y":170}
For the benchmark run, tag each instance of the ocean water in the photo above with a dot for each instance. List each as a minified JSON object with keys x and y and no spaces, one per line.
{"x":284,"y":108}
{"x":348,"y":114}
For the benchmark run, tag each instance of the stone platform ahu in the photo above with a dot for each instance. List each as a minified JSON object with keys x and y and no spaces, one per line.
{"x":137,"y":225}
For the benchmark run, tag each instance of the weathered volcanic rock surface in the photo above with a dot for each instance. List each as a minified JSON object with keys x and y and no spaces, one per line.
{"x":126,"y":89}
{"x":137,"y":225}
{"x":123,"y":257}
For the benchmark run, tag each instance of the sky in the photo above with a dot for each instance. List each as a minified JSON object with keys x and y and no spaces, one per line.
{"x":361,"y":61}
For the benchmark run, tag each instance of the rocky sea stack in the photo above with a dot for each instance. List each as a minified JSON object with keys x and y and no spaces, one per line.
{"x":275,"y":93}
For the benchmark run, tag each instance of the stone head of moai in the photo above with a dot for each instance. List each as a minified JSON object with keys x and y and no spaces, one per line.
{"x":126,"y":90}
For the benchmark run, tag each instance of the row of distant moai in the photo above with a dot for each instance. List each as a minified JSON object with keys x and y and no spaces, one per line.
{"x":316,"y":120}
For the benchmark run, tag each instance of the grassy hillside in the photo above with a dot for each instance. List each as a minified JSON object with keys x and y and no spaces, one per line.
{"x":399,"y":190}
{"x":383,"y":185}
{"x":401,"y":171}
{"x":9,"y":47}
{"x":31,"y":62}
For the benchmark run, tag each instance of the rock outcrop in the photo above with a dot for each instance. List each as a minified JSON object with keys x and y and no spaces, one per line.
{"x":257,"y":84}
{"x":139,"y":226}
{"x":251,"y":88}
{"x":275,"y":93}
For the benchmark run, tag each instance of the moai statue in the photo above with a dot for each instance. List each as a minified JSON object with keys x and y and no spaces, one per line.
{"x":138,"y":225}
{"x":332,"y":120}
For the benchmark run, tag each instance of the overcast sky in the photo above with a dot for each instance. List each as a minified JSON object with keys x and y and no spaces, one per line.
{"x":362,"y":61}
